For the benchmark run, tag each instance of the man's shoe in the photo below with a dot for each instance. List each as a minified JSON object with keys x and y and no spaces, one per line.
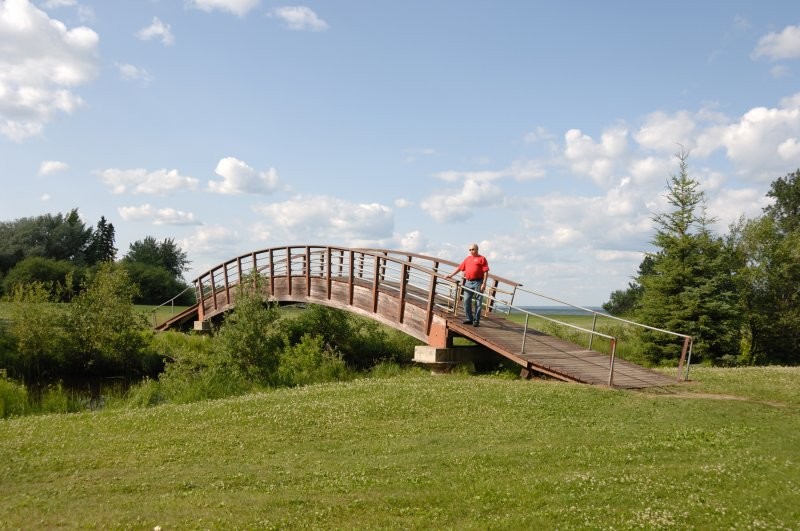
{"x":476,"y":323}
{"x":466,"y":322}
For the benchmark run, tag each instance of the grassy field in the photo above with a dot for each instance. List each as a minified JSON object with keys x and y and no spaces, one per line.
{"x":419,"y":452}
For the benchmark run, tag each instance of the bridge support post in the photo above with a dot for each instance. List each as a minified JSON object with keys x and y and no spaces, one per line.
{"x":444,"y":360}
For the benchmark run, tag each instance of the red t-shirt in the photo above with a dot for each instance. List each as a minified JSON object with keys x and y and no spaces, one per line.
{"x":474,"y":267}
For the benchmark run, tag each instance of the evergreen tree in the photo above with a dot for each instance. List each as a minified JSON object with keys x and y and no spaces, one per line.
{"x":690,"y":287}
{"x":101,"y":247}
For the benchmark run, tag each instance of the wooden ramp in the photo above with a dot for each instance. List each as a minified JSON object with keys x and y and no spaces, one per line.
{"x":555,"y":357}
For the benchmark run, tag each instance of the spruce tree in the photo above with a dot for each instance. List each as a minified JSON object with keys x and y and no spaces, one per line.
{"x":689,"y":289}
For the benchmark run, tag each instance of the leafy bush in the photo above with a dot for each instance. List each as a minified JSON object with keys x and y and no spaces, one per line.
{"x":195,"y":371}
{"x":249,"y":341}
{"x":108,"y":334}
{"x":361,"y":342}
{"x":13,"y":397}
{"x":61,"y":277}
{"x":310,"y":362}
{"x":39,"y":328}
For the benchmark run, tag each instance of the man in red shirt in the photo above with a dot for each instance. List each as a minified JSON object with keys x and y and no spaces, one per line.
{"x":476,"y":272}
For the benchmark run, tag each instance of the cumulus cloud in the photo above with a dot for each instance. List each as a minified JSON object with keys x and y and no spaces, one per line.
{"x":41,"y":63}
{"x":584,"y":156}
{"x":157,"y":30}
{"x":329,"y":218}
{"x":661,"y":132}
{"x":413,"y":242}
{"x":239,"y":178}
{"x":134,"y":73}
{"x":778,"y":46}
{"x":460,"y":205}
{"x":142,"y":181}
{"x":157,"y":216}
{"x":760,"y":143}
{"x":49,"y":167}
{"x":237,"y":7}
{"x":299,"y":18}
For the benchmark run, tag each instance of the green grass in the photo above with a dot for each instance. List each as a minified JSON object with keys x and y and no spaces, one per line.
{"x":422,"y":452}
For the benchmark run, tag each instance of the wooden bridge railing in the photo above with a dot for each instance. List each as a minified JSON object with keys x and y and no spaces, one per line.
{"x":413,"y":277}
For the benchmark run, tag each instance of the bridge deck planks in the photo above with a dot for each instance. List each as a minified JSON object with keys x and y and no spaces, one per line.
{"x":556,"y":357}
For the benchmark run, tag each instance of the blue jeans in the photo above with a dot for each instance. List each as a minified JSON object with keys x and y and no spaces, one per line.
{"x":473,"y":293}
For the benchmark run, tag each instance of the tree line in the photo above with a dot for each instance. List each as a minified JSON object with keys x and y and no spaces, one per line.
{"x":737,"y":294}
{"x":62,"y":252}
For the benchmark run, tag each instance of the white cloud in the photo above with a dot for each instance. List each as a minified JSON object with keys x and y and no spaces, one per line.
{"x":778,"y":46}
{"x":476,"y":176}
{"x":157,"y":30}
{"x":237,"y":7}
{"x":239,"y":178}
{"x":727,"y":205}
{"x":662,"y":132}
{"x":413,"y":242}
{"x":789,"y":149}
{"x":141,"y":181}
{"x":41,"y":62}
{"x":52,"y":4}
{"x":595,"y":159}
{"x":754,"y":142}
{"x":460,"y":205}
{"x":328,"y":218}
{"x":134,"y":73}
{"x":300,"y":18}
{"x":160,"y":216}
{"x":49,"y":167}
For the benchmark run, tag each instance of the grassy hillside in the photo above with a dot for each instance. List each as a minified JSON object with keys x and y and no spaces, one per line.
{"x":419,"y":451}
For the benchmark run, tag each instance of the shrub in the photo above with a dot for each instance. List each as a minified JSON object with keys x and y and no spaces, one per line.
{"x":38,"y":326}
{"x":309,"y":362}
{"x":195,"y":370}
{"x":249,"y":341}
{"x":13,"y":397}
{"x":361,"y":342}
{"x":108,"y":334}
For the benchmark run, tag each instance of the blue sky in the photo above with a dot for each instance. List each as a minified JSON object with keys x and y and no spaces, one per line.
{"x":543,"y":131}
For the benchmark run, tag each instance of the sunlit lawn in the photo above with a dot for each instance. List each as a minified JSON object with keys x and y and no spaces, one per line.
{"x":422,"y":452}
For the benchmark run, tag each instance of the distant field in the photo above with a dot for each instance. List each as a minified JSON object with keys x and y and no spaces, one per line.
{"x":422,"y":452}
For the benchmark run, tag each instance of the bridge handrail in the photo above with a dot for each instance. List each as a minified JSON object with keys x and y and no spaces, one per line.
{"x":686,"y":354}
{"x":170,"y":301}
{"x":441,"y":260}
{"x":592,"y":333}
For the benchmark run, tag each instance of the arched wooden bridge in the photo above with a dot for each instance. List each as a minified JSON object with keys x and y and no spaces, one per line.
{"x":409,"y":292}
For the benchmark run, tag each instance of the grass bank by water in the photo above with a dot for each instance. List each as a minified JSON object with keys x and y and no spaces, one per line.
{"x":418,"y":451}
